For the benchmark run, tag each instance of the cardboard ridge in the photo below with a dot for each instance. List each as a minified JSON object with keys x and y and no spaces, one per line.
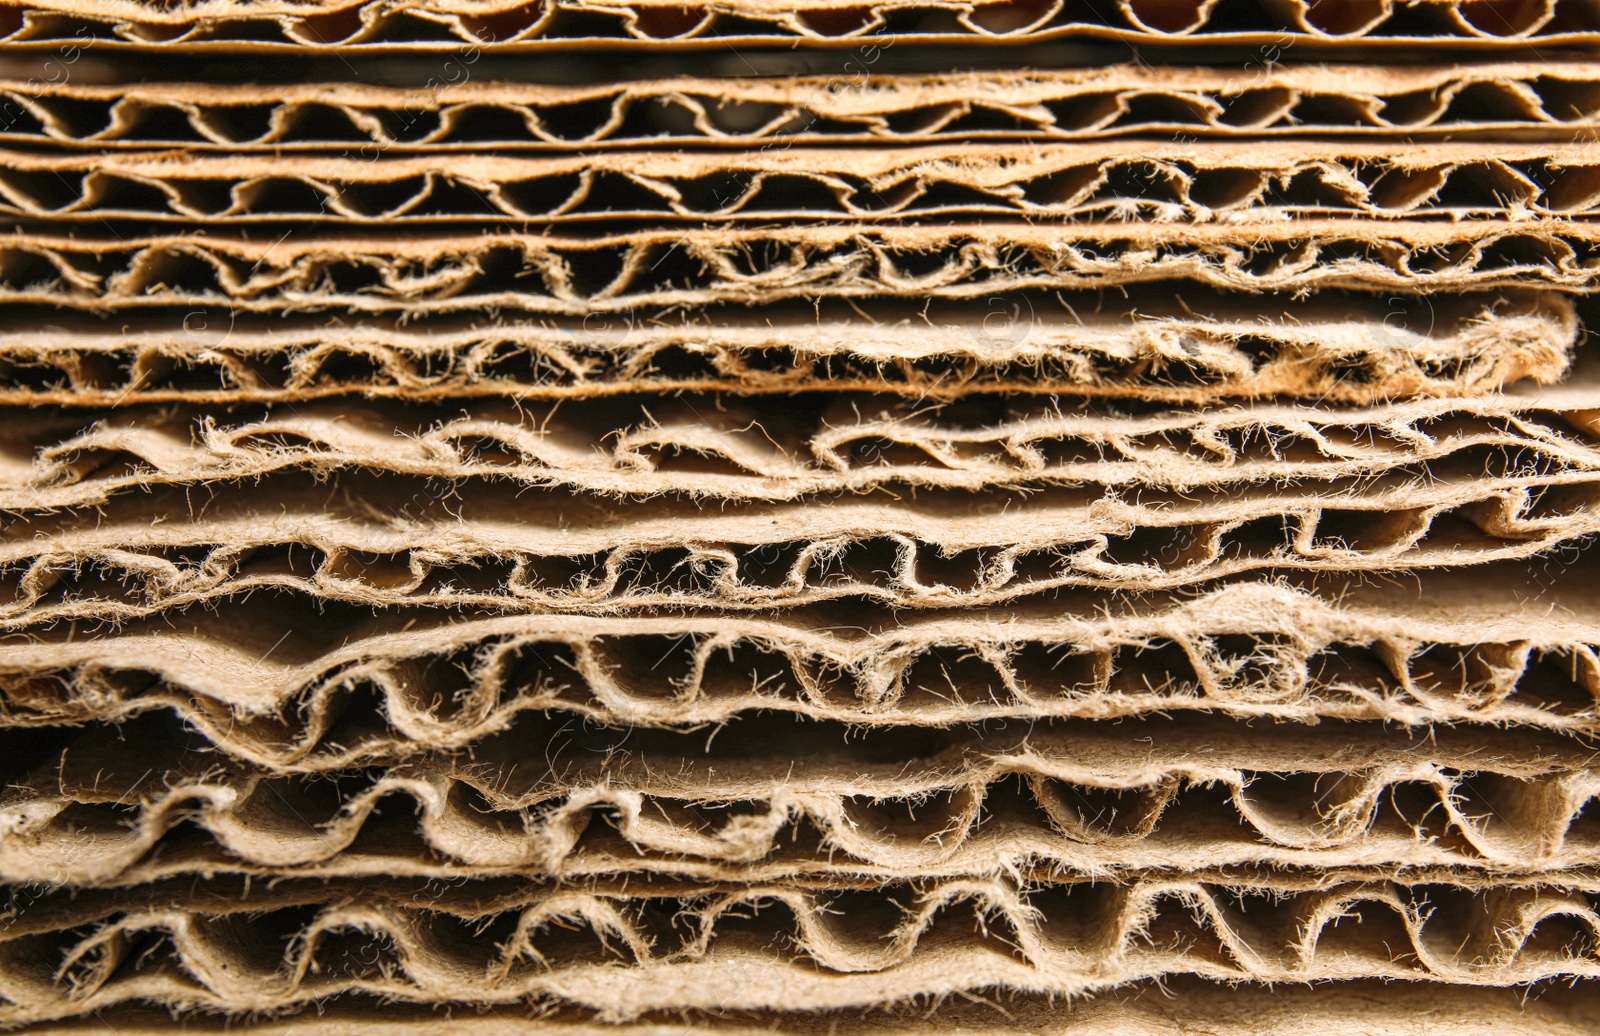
{"x":871,"y":555}
{"x":1255,"y":648}
{"x":1067,"y":798}
{"x":421,"y":25}
{"x":939,"y":940}
{"x":1558,"y":100}
{"x":578,"y":276}
{"x":1171,"y":1007}
{"x":630,"y":448}
{"x":1185,"y":349}
{"x":1201,"y":181}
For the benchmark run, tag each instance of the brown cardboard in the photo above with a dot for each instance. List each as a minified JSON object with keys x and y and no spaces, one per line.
{"x":520,"y":25}
{"x":270,"y":689}
{"x":851,"y":551}
{"x":1502,"y":100}
{"x":583,"y":276}
{"x":811,"y":504}
{"x":1201,"y":181}
{"x":1183,"y":348}
{"x":762,"y":558}
{"x":898,"y":943}
{"x":1067,"y":798}
{"x":1175,"y":1006}
{"x":733,"y":449}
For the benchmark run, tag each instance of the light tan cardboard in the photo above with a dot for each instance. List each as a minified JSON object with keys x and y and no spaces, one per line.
{"x":1531,"y":100}
{"x":1201,"y":181}
{"x":745,"y":450}
{"x":1104,"y":800}
{"x":271,"y":689}
{"x":584,"y":276}
{"x":423,"y":25}
{"x":898,"y":943}
{"x":1152,"y":502}
{"x":760,"y":558}
{"x":816,"y":553}
{"x":1175,"y":1006}
{"x":1185,"y":348}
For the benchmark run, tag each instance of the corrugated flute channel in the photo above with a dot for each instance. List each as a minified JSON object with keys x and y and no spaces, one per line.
{"x":990,"y":516}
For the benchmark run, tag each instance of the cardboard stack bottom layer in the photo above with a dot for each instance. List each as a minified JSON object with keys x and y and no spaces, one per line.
{"x":1173,"y":1006}
{"x":624,"y":951}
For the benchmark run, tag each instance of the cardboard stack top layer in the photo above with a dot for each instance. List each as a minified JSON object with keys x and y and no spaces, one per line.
{"x":997,"y":517}
{"x":423,"y":25}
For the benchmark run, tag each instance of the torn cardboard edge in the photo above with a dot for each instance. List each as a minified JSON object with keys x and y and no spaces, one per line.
{"x":1188,"y":347}
{"x":1029,"y":796}
{"x":870,"y":556}
{"x":417,"y":25}
{"x":701,"y":266}
{"x":266,"y":689}
{"x":1506,"y":99}
{"x":737,"y":449}
{"x":65,"y":911}
{"x":815,"y":839}
{"x":943,"y":941}
{"x":1199,"y":181}
{"x":188,"y":959}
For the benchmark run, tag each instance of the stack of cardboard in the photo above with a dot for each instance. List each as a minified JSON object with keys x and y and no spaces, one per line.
{"x":1051,"y":517}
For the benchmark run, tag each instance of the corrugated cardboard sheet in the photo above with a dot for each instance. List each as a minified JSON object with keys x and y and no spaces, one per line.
{"x":919,"y":517}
